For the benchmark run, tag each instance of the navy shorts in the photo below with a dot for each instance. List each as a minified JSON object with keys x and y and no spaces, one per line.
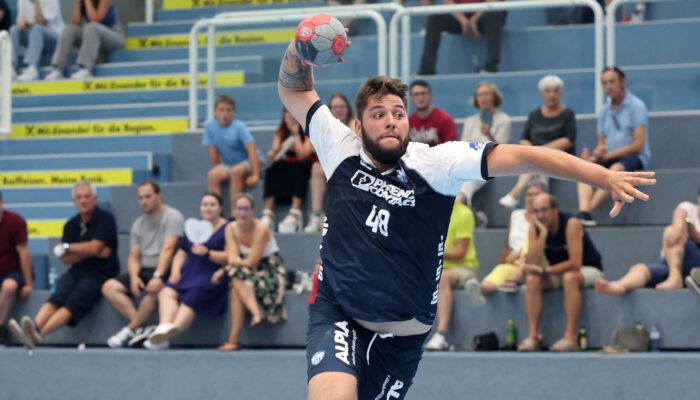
{"x":15,"y":275}
{"x":691,"y":259}
{"x":384,"y":366}
{"x":631,"y":163}
{"x":77,"y":291}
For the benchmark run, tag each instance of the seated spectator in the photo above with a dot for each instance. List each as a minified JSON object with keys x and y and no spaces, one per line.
{"x":287,"y":174}
{"x":459,"y":270}
{"x":5,"y":16}
{"x":509,"y":272}
{"x":190,"y":291}
{"x":39,"y":23}
{"x":16,"y":275}
{"x":489,"y":24}
{"x":89,"y":246}
{"x":258,"y":276}
{"x":342,"y":109}
{"x":550,"y":125}
{"x":95,"y":27}
{"x":429,"y":124}
{"x":232,"y":150}
{"x":623,"y":139}
{"x":680,"y":253}
{"x":574,"y":263}
{"x":489,"y":124}
{"x":154,"y":238}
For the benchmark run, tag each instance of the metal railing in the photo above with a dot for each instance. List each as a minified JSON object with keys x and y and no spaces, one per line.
{"x":369,"y":11}
{"x":5,"y":84}
{"x":150,"y":9}
{"x":405,"y":14}
{"x":610,"y":23}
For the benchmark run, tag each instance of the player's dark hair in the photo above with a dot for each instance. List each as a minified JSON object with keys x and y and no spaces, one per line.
{"x":379,"y":86}
{"x":351,"y":114}
{"x":154,"y":185}
{"x":226,"y":100}
{"x":421,"y":83}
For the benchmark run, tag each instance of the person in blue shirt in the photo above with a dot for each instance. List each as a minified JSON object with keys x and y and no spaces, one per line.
{"x":389,"y":204}
{"x":232,"y":150}
{"x":623,"y":139}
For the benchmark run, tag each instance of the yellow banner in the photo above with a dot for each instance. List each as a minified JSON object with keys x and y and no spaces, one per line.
{"x":100,"y":85}
{"x":11,"y":179}
{"x":45,"y":228}
{"x":184,"y":4}
{"x":222,"y":39}
{"x":100,"y":128}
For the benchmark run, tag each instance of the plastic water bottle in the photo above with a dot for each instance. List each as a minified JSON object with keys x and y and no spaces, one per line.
{"x":475,"y":63}
{"x":582,"y":339}
{"x":654,"y":339}
{"x":53,"y":278}
{"x":511,"y":335}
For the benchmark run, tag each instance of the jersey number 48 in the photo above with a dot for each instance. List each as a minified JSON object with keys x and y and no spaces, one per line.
{"x":378,"y":220}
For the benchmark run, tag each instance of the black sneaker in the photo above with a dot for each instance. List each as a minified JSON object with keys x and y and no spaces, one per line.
{"x":5,"y":336}
{"x":140,"y":336}
{"x":586,"y":218}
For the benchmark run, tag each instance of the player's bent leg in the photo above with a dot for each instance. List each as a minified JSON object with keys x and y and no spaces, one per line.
{"x":333,"y":386}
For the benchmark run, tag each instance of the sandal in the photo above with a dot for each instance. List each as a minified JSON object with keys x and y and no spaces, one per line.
{"x":529,"y":345}
{"x":229,"y":346}
{"x":510,"y":286}
{"x":564,"y":345}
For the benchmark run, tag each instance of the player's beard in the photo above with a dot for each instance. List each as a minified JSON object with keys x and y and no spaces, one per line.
{"x":384,"y":156}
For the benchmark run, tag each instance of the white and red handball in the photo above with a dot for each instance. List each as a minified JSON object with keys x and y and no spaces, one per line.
{"x":321,"y":40}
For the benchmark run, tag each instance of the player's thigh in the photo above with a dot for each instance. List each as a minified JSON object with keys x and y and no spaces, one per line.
{"x":333,"y":386}
{"x":391,"y":366}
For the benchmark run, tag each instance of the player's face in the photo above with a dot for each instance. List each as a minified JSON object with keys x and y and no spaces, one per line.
{"x":339,"y":109}
{"x":421,"y":97}
{"x":85,"y":201}
{"x":243,"y":210}
{"x":484,"y":97}
{"x":612,"y":84}
{"x":149,"y":200}
{"x":385,"y":129}
{"x":209,"y":208}
{"x":530,"y":195}
{"x":224,"y":114}
{"x":551,"y":97}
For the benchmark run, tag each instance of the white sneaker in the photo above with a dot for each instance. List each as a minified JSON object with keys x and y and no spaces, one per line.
{"x":437,"y":343}
{"x":153,"y":346}
{"x":29,"y":74}
{"x":473,"y":290}
{"x":31,"y":330}
{"x":291,"y":223}
{"x":19,"y":334}
{"x":508,"y":201}
{"x":315,"y":223}
{"x":162,"y":333}
{"x":121,"y":338}
{"x":54,"y":75}
{"x":268,"y":218}
{"x":82,"y":74}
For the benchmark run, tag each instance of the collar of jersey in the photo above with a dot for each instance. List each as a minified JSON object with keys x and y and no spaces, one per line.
{"x":365,"y":159}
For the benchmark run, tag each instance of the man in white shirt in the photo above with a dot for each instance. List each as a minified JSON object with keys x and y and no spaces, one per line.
{"x":39,"y":23}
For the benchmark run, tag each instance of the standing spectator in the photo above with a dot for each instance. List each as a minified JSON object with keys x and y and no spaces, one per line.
{"x":5,"y":16}
{"x":459,"y":269}
{"x":39,"y":23}
{"x":89,"y":245}
{"x":680,"y":253}
{"x":509,"y":272}
{"x":574,"y":263}
{"x":429,"y":124}
{"x":550,"y":125}
{"x":154,"y":238}
{"x":623,"y":139}
{"x":489,"y":24}
{"x":95,"y":27}
{"x":16,"y":275}
{"x":232,"y":150}
{"x":342,"y":109}
{"x":190,"y":291}
{"x":489,"y":124}
{"x":287,"y":175}
{"x":258,"y":276}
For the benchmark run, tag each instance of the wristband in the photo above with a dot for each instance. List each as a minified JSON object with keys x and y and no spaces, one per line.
{"x":60,"y":249}
{"x":157,"y":275}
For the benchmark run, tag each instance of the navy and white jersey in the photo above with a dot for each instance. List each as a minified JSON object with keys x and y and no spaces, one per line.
{"x":383,"y":240}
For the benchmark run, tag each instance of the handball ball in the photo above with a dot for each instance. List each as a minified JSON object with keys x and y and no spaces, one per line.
{"x":321,"y":40}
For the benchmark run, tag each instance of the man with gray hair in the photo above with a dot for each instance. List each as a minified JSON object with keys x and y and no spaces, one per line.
{"x":89,"y":246}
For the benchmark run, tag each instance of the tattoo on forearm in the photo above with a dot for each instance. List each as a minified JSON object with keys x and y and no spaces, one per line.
{"x":294,"y":74}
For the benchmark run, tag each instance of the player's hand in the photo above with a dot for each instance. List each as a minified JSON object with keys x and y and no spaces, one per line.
{"x":621,"y":185}
{"x":105,"y":253}
{"x":599,"y":152}
{"x":532,"y":269}
{"x":154,"y":286}
{"x":252,"y":180}
{"x":216,"y":276}
{"x":136,"y":286}
{"x":24,"y":292}
{"x":174,"y":278}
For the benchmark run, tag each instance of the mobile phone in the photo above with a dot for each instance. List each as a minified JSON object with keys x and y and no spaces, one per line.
{"x":487,"y":118}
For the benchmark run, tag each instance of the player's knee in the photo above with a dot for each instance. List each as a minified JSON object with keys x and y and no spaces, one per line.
{"x":9,"y":286}
{"x":572,"y":280}
{"x":92,"y":28}
{"x":533,"y":282}
{"x":239,"y":172}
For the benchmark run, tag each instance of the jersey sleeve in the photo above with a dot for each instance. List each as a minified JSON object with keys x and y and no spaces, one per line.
{"x":447,"y":166}
{"x":332,"y":140}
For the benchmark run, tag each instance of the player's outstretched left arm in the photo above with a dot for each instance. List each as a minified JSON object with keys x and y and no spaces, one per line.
{"x":507,"y":159}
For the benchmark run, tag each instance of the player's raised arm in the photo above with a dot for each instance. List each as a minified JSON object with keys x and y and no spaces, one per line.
{"x":296,"y":84}
{"x":513,"y":160}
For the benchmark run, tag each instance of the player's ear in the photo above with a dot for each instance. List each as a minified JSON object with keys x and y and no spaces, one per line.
{"x":358,"y":126}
